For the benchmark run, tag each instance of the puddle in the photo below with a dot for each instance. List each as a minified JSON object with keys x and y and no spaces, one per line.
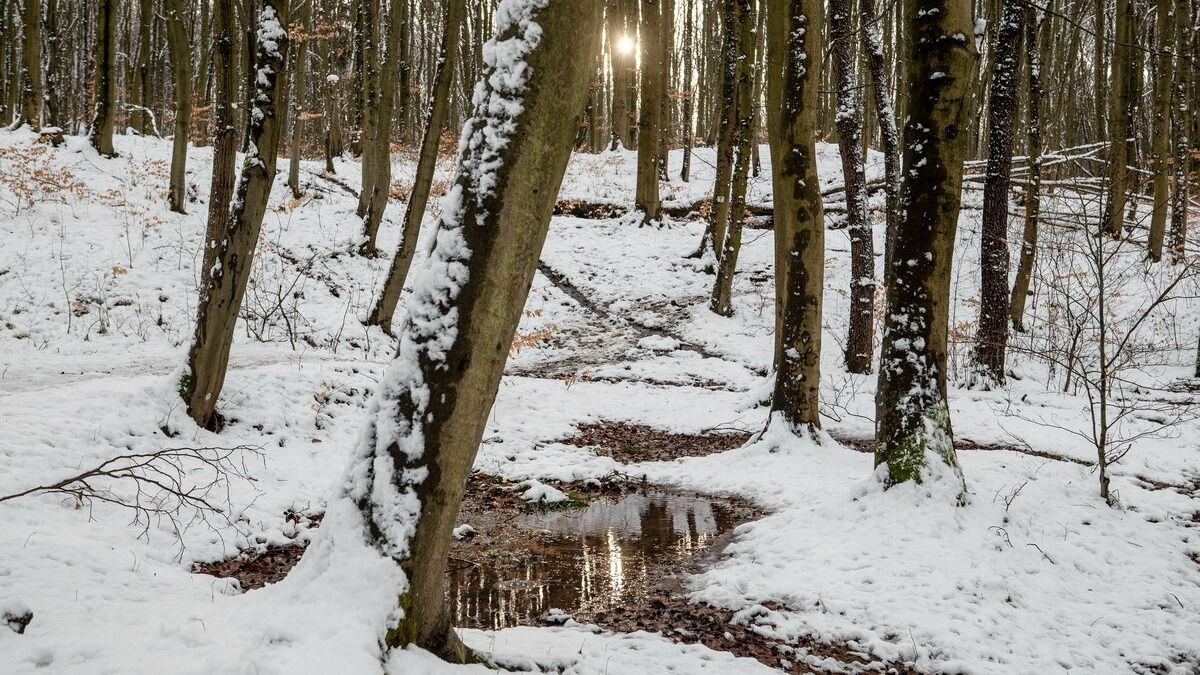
{"x":614,"y":553}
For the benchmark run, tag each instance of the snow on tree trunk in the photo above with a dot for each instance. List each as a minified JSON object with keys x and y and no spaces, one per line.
{"x":793,"y":78}
{"x":31,"y":65}
{"x":428,"y":415}
{"x":886,"y":118}
{"x":1033,"y":200}
{"x":913,"y":437}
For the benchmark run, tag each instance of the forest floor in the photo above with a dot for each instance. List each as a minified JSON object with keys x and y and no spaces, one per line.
{"x":619,"y":372}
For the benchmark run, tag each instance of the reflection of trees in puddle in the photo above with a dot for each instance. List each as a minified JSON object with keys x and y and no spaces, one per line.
{"x":607,"y":555}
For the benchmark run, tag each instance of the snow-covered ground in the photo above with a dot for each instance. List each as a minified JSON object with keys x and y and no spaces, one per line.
{"x":97,"y":291}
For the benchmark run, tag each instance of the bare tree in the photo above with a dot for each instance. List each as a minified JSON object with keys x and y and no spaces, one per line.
{"x":181,"y":62}
{"x":31,"y":66}
{"x":650,"y":118}
{"x":105,"y":94}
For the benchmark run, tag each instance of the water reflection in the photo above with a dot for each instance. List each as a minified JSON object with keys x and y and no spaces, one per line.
{"x":590,"y":560}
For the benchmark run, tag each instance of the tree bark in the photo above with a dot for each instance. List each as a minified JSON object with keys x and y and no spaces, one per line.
{"x":429,"y":413}
{"x":1118,"y":153}
{"x":414,"y":212}
{"x":299,"y":88}
{"x":1033,"y":200}
{"x":1161,"y":136}
{"x":912,"y":415}
{"x":885,"y":114}
{"x":181,"y":63}
{"x":617,"y":18}
{"x":1183,"y":115}
{"x":793,"y":79}
{"x":101,"y":133}
{"x":380,"y":146}
{"x":31,"y":66}
{"x":646,"y":196}
{"x":370,"y":107}
{"x":55,"y":115}
{"x":991,"y":336}
{"x":140,"y":88}
{"x":687,"y":92}
{"x":224,"y":280}
{"x":714,"y":233}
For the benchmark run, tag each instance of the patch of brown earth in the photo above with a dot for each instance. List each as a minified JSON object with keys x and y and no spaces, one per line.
{"x":629,"y":443}
{"x":255,"y":568}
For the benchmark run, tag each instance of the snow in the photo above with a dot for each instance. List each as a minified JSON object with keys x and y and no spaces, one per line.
{"x":1035,"y":574}
{"x":537,"y":492}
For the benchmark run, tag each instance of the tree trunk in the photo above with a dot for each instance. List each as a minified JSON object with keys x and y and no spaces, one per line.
{"x":31,"y":66}
{"x":885,"y":114}
{"x":1179,"y":129}
{"x":429,"y":414}
{"x":793,"y":78}
{"x":181,"y":63}
{"x":380,"y":146}
{"x":649,"y":121}
{"x":55,"y":115}
{"x":860,"y":340}
{"x":714,"y":234}
{"x":687,"y":92}
{"x":299,"y":88}
{"x":1161,"y":136}
{"x":224,"y":280}
{"x":414,"y":212}
{"x":105,"y":61}
{"x":912,"y":415}
{"x":140,"y":89}
{"x":616,"y":16}
{"x":991,"y":337}
{"x":1033,"y":200}
{"x":1118,"y":152}
{"x":370,"y":107}
{"x":742,"y":25}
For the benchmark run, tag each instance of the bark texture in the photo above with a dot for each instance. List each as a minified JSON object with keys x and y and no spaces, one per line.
{"x":181,"y":66}
{"x":31,"y":65}
{"x":1033,"y":200}
{"x":105,"y":61}
{"x":646,"y":196}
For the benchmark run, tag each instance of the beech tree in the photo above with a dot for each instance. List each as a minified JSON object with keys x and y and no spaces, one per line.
{"x":1118,"y":149}
{"x":793,"y":78}
{"x":1164,"y":66}
{"x":649,"y":121}
{"x":224,"y":281}
{"x":912,"y":418}
{"x":377,"y":186}
{"x":31,"y":66}
{"x":1033,"y":200}
{"x":429,"y":412}
{"x":104,"y":64}
{"x":181,"y":62}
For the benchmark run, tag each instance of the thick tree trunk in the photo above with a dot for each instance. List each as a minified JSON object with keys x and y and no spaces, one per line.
{"x":414,"y":212}
{"x":991,"y":337}
{"x":1118,"y":152}
{"x":299,"y":60}
{"x":1161,"y":136}
{"x":105,"y":94}
{"x":1033,"y":199}
{"x":31,"y":66}
{"x":860,"y":339}
{"x":742,"y":25}
{"x":912,"y":416}
{"x":646,"y":196}
{"x":793,"y":78}
{"x":224,"y":281}
{"x":181,"y":64}
{"x":432,"y":405}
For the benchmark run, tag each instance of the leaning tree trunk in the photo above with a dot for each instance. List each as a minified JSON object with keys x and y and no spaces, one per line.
{"x":991,"y":337}
{"x":1033,"y":199}
{"x":414,"y":211}
{"x":1161,"y":136}
{"x":299,"y":90}
{"x":912,"y":422}
{"x":31,"y":66}
{"x":224,"y":281}
{"x":793,"y":79}
{"x":429,"y":414}
{"x":181,"y":64}
{"x":105,"y":63}
{"x":742,"y":24}
{"x":860,"y":338}
{"x":1119,"y":126}
{"x":885,"y":115}
{"x":650,"y":120}
{"x":379,"y":148}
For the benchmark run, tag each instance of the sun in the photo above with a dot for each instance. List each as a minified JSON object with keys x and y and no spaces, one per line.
{"x":624,"y":45}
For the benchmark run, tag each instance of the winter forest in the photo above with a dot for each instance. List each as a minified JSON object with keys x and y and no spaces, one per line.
{"x":599,"y":336}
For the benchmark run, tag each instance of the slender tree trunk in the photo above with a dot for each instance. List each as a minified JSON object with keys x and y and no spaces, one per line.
{"x":793,"y":78}
{"x":140,"y":89}
{"x":912,"y":416}
{"x":225,"y":279}
{"x":991,"y":337}
{"x":1179,"y":129}
{"x":860,"y":340}
{"x":225,"y":137}
{"x":55,"y":115}
{"x":299,"y":59}
{"x":104,"y":63}
{"x":181,"y":63}
{"x":370,"y":109}
{"x":1161,"y":136}
{"x":618,"y":33}
{"x":687,"y":92}
{"x":714,"y":234}
{"x":649,"y":122}
{"x":1118,"y":153}
{"x":380,"y":149}
{"x":414,"y":212}
{"x":666,"y":48}
{"x":742,"y":24}
{"x":889,"y":135}
{"x":1033,"y":199}
{"x":431,"y":408}
{"x":31,"y":66}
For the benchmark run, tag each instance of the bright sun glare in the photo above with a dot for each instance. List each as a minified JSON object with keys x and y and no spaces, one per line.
{"x":625,"y":44}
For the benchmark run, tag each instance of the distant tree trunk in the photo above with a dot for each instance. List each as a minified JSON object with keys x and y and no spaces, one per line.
{"x":1179,"y":129}
{"x":912,"y":415}
{"x":885,"y":114}
{"x":1033,"y":200}
{"x":666,"y":46}
{"x":181,"y":63}
{"x":55,"y":115}
{"x":430,"y":411}
{"x":617,"y":19}
{"x":687,"y":93}
{"x":203,"y":76}
{"x":860,"y":340}
{"x":333,"y":110}
{"x":370,"y":107}
{"x":439,"y":108}
{"x":743,"y":134}
{"x":140,"y":89}
{"x":714,"y":233}
{"x":224,"y":281}
{"x":991,"y":337}
{"x":31,"y":66}
{"x":1161,"y":136}
{"x":649,"y":121}
{"x":1118,"y":152}
{"x":299,"y":61}
{"x":380,"y":148}
{"x":104,"y":63}
{"x":793,"y":78}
